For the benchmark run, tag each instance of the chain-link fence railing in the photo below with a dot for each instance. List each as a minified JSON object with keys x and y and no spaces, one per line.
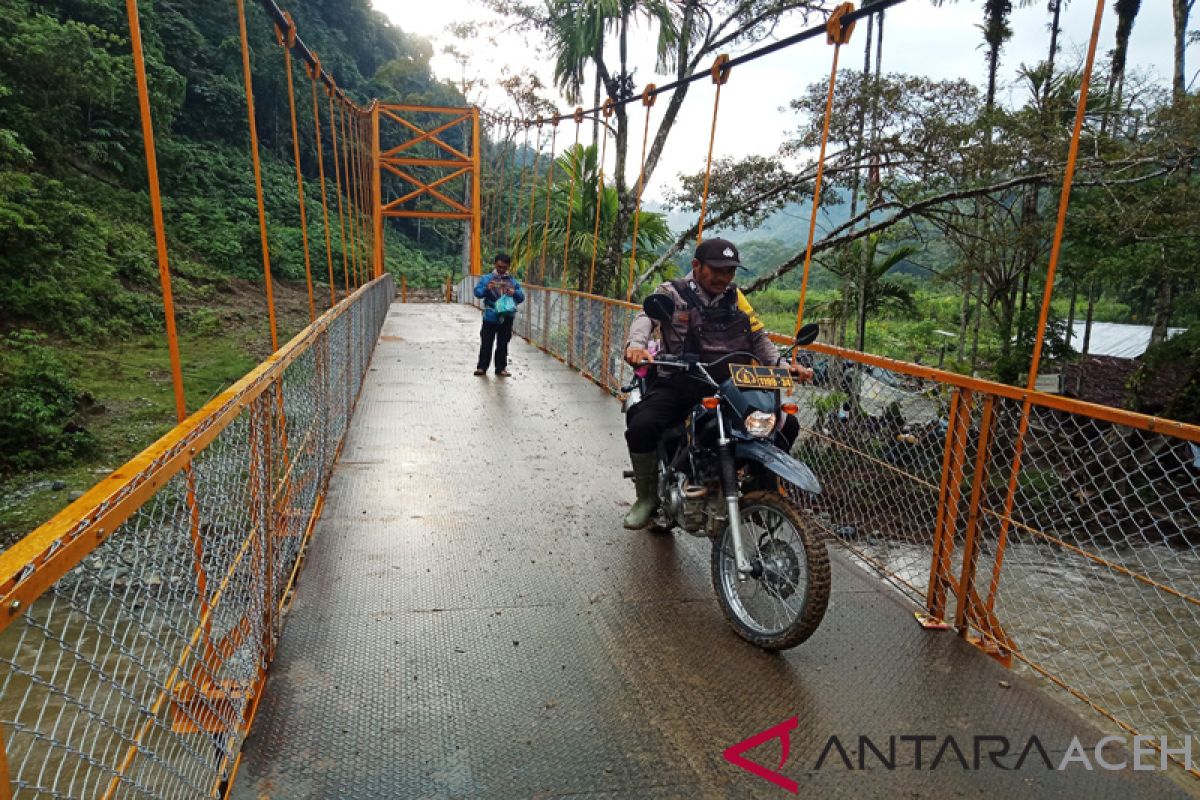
{"x":137,"y":625}
{"x":877,"y":441}
{"x":1063,"y":535}
{"x":1059,"y":536}
{"x":1088,"y":555}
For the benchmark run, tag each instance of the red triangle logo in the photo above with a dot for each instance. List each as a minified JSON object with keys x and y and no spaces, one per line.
{"x":782,"y":732}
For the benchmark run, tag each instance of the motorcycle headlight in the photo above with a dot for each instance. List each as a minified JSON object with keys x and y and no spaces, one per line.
{"x":760,"y":424}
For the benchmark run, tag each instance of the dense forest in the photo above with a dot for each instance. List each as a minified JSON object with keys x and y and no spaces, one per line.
{"x":83,"y":369}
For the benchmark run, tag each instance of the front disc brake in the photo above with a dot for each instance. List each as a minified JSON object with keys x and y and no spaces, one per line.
{"x":780,"y":567}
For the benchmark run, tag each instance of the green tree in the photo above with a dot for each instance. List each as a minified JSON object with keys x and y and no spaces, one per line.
{"x":866,"y":285}
{"x":570,"y":261}
{"x":39,"y":406}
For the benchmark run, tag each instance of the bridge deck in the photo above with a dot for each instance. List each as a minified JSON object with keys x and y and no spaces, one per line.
{"x":474,"y":622}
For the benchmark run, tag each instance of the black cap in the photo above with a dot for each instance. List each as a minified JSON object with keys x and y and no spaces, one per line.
{"x":718,"y":253}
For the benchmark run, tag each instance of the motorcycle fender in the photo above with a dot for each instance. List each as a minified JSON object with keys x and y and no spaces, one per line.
{"x":780,"y":463}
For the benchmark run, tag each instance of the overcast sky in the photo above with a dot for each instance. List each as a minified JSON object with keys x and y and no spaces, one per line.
{"x":937,"y":42}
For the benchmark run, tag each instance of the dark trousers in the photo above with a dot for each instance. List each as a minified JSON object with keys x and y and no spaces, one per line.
{"x":666,"y":405}
{"x":499,"y":333}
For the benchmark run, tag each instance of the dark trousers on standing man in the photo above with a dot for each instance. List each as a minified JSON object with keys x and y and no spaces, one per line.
{"x":499,"y":333}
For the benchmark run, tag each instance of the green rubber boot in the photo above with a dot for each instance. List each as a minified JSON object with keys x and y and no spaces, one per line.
{"x":645,"y":479}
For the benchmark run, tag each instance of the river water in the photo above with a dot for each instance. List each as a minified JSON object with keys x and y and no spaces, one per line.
{"x":1131,"y":646}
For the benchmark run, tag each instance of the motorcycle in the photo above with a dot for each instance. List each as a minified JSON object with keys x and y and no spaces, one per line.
{"x":720,"y":476}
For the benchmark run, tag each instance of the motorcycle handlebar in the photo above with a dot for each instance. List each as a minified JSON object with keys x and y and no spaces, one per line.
{"x":688,"y":360}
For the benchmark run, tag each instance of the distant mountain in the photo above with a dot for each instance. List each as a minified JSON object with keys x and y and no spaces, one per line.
{"x":788,"y":225}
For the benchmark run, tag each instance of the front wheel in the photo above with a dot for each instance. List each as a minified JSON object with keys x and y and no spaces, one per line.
{"x":784,"y":601}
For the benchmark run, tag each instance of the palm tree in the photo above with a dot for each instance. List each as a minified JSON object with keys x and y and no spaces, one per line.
{"x":1127,"y":11}
{"x":864,"y":279}
{"x":579,"y":209}
{"x":576,"y":30}
{"x":1055,"y":7}
{"x":1180,"y":11}
{"x":996,"y":31}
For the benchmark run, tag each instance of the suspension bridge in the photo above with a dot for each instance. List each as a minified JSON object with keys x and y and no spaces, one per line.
{"x":362,"y":572}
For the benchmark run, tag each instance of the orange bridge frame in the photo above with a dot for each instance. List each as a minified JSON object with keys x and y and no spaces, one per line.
{"x":458,"y":164}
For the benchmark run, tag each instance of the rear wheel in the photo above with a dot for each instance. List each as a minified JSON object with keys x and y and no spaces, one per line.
{"x":784,"y":601}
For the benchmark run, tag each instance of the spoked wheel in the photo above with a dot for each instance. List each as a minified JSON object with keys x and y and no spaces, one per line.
{"x":783,"y":602}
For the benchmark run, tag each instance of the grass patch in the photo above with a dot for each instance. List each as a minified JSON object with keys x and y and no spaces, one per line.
{"x":130,"y":401}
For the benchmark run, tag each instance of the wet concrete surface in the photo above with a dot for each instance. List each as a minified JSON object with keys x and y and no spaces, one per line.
{"x":473,"y":621}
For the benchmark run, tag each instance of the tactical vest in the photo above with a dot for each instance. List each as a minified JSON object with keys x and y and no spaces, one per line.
{"x":711,"y":331}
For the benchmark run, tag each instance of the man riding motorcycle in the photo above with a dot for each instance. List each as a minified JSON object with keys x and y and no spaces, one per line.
{"x":712,"y":318}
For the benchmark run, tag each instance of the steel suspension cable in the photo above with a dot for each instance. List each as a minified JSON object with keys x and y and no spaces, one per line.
{"x":349,"y":197}
{"x":853,"y":16}
{"x":258,"y":188}
{"x":314,"y":74}
{"x":156,"y":209}
{"x":1047,"y":294}
{"x":276,"y":15}
{"x":648,"y":97}
{"x":337,"y":170}
{"x":491,"y":195}
{"x":838,"y":34}
{"x":164,"y":273}
{"x":549,"y":192}
{"x":475,"y":193}
{"x":360,"y":269}
{"x":599,"y":197}
{"x":356,"y":196}
{"x":286,"y":40}
{"x":482,"y":200}
{"x":720,"y":76}
{"x":364,"y":230}
{"x":486,"y":197}
{"x":537,"y":156}
{"x":375,"y":165}
{"x":520,"y":193}
{"x":498,"y":191}
{"x":368,"y":213}
{"x":571,"y":195}
{"x":498,"y":181}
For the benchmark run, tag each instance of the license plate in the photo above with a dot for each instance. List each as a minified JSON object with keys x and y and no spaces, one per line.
{"x":747,"y":377}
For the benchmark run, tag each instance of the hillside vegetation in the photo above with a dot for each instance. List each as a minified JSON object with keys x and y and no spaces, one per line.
{"x":84,"y":374}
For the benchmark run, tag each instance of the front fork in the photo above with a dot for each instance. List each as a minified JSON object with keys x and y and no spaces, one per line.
{"x":729,"y":484}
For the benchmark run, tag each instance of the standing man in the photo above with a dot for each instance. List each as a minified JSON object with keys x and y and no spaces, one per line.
{"x":712,"y":319}
{"x":500,"y":293}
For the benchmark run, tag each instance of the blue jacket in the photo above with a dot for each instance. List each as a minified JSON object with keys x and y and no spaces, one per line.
{"x":490,"y":297}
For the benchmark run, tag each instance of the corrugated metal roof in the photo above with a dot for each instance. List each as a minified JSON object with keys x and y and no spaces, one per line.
{"x":1115,"y":339}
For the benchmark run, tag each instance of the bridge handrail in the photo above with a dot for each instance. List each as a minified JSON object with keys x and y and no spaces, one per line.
{"x":965,"y":493}
{"x":44,"y":555}
{"x":151,"y":607}
{"x":1117,"y":416}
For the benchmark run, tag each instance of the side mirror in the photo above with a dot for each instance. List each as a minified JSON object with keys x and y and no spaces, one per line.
{"x":659,"y":307}
{"x":807,"y":334}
